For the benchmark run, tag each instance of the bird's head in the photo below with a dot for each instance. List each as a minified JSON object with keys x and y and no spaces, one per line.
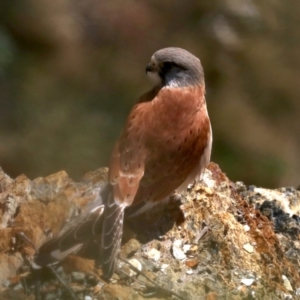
{"x":175,"y":67}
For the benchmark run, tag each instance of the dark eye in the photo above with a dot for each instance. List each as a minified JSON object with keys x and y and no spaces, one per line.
{"x":168,"y":65}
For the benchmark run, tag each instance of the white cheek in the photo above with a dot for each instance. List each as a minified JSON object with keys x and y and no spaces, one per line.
{"x":173,"y":83}
{"x":154,"y":77}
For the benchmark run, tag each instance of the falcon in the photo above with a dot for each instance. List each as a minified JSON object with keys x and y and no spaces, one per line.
{"x":164,"y":146}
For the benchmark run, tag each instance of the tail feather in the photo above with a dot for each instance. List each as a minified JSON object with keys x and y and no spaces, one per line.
{"x":112,"y":231}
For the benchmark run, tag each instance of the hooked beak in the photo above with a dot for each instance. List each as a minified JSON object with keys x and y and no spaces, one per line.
{"x":150,"y":68}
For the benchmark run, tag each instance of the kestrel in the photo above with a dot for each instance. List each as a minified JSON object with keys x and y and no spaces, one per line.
{"x":164,"y":146}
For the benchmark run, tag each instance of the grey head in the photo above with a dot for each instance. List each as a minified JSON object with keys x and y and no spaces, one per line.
{"x":175,"y":67}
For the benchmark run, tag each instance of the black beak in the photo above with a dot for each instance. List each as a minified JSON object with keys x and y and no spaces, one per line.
{"x":149,"y":68}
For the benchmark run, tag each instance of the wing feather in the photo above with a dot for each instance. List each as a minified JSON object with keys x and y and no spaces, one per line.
{"x":70,"y":240}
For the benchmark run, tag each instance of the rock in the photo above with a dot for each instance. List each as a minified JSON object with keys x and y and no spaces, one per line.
{"x":247,"y":281}
{"x":154,"y":254}
{"x":178,"y":253}
{"x":226,"y":254}
{"x":287,"y":283}
{"x":136,"y":264}
{"x":249,"y":248}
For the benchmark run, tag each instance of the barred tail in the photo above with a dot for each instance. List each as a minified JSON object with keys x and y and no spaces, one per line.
{"x":112,"y":231}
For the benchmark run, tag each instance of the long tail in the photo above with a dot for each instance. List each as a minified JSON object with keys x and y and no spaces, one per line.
{"x":112,"y":231}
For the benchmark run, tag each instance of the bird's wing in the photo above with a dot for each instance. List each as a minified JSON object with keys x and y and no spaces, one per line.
{"x":74,"y":235}
{"x":125,"y":172}
{"x":128,"y":159}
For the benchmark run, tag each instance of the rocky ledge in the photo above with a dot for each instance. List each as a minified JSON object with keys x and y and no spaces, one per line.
{"x":219,"y":240}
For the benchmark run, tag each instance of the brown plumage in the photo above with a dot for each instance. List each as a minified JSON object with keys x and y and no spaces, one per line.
{"x":161,"y":139}
{"x":164,"y":146}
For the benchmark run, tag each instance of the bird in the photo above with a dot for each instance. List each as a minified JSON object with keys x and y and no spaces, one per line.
{"x":164,"y":146}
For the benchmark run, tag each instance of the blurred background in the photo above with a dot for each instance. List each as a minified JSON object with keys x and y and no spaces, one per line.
{"x":70,"y":70}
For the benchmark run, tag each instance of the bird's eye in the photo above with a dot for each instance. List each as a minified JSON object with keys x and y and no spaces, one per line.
{"x":168,"y":65}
